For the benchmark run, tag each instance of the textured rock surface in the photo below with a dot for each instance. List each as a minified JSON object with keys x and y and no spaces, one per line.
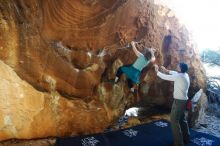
{"x":60,"y":58}
{"x":27,"y":113}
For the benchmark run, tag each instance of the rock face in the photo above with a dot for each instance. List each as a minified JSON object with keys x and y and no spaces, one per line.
{"x":60,"y":57}
{"x":28,"y":113}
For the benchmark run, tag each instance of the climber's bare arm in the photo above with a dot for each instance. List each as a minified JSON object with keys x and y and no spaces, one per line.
{"x":153,"y":58}
{"x":137,"y":53}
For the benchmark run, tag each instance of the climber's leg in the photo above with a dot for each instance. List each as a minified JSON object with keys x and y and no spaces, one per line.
{"x":118,"y":74}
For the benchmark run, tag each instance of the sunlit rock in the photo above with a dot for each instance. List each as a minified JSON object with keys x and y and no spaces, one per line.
{"x":27,"y":113}
{"x":61,"y":56}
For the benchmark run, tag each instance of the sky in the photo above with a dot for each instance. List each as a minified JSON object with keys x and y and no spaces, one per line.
{"x":202,"y":18}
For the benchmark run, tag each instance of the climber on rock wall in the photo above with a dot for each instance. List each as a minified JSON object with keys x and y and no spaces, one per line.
{"x":133,"y":71}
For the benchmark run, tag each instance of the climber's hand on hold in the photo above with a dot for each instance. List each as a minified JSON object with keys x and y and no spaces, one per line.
{"x":137,"y":53}
{"x":153,"y":50}
{"x":133,"y":43}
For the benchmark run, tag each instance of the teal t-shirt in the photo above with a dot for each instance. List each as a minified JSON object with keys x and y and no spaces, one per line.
{"x":140,"y":62}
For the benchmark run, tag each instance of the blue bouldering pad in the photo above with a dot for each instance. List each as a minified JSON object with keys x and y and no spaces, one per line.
{"x":157,"y":133}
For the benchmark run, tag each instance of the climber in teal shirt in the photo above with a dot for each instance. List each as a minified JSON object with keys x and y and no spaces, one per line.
{"x":133,"y":71}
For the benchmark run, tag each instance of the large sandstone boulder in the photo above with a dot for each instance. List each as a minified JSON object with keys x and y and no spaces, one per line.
{"x":58,"y":59}
{"x":28,"y":113}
